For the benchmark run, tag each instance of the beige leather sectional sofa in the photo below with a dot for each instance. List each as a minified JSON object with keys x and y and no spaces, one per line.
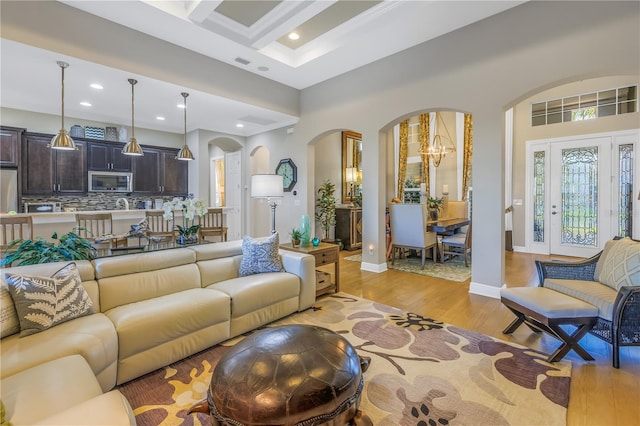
{"x":152,"y":309}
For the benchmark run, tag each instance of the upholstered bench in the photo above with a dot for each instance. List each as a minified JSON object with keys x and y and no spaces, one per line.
{"x":546,"y":310}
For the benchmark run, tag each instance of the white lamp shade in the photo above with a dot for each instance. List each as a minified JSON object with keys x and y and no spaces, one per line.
{"x":266,"y":186}
{"x":351,"y":174}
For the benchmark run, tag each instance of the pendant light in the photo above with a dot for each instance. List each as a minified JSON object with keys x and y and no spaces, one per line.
{"x":62,"y":140}
{"x":442,"y":145}
{"x":185,"y":152}
{"x":132,"y":147}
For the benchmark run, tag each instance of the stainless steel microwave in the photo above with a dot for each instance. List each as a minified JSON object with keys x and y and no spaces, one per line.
{"x":44,"y":207}
{"x":110,"y":181}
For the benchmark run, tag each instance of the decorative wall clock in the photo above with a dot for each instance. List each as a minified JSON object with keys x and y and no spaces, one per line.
{"x":289,"y":172}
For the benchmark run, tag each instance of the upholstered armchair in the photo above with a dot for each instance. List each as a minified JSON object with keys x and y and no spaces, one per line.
{"x":409,"y":230}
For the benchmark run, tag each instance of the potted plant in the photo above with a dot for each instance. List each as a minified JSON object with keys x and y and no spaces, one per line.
{"x":434,"y":205}
{"x":187,"y":234}
{"x":190,"y":207}
{"x":296,"y":235}
{"x":70,"y":246}
{"x":326,"y":207}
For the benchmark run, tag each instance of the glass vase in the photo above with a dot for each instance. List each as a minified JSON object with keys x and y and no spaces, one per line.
{"x":305,"y":229}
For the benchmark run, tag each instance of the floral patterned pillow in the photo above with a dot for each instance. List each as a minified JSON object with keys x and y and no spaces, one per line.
{"x":260,"y":256}
{"x":43,"y":302}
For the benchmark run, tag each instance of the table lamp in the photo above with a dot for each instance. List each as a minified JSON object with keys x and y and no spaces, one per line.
{"x":271,"y":188}
{"x":351,"y":176}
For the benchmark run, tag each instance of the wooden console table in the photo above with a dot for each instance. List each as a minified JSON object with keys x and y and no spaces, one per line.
{"x":325,"y":254}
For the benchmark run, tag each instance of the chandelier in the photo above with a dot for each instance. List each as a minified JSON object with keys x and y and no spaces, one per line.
{"x":441,"y":144}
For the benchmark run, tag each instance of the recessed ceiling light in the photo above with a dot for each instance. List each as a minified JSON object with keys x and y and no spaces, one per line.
{"x":294,"y":36}
{"x":180,"y":106}
{"x":96,"y":86}
{"x":160,"y":118}
{"x":240,"y":125}
{"x":87,"y":104}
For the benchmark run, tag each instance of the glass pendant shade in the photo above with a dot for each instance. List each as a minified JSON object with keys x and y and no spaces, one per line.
{"x":62,"y":140}
{"x":132,"y":147}
{"x":185,"y":153}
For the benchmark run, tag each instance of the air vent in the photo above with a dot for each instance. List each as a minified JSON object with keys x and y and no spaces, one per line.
{"x":242,"y":61}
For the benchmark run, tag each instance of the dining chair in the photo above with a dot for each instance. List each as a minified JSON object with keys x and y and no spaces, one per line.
{"x":15,"y":228}
{"x":409,"y":230}
{"x":212,"y":224}
{"x":458,"y":209}
{"x":98,"y":228}
{"x":458,"y":244}
{"x":159,"y":230}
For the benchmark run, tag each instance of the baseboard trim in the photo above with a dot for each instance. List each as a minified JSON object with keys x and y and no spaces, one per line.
{"x":520,"y":249}
{"x":373,"y":267}
{"x":485,"y":290}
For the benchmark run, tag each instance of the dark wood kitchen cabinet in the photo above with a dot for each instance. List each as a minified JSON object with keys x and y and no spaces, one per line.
{"x":107,"y":157}
{"x":158,"y":172}
{"x":47,"y":171}
{"x":10,"y":138}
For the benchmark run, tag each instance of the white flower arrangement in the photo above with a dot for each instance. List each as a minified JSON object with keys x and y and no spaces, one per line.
{"x":191,"y":207}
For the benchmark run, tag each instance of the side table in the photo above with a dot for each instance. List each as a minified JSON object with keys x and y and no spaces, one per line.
{"x":325,"y":254}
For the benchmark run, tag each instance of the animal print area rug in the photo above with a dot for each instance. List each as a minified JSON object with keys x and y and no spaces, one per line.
{"x":422,"y":372}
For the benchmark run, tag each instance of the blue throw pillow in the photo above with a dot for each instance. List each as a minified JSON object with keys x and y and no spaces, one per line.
{"x":260,"y":256}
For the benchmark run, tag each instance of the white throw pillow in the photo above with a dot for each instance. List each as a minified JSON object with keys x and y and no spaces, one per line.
{"x":622,"y":265}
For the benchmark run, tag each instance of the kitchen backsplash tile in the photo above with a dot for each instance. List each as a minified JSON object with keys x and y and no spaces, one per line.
{"x":92,"y":201}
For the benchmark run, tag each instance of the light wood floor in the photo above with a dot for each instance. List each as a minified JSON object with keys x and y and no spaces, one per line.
{"x":600,"y":394}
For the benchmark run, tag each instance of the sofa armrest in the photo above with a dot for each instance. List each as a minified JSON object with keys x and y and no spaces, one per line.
{"x":626,"y":311}
{"x":304,"y":266}
{"x":581,"y":270}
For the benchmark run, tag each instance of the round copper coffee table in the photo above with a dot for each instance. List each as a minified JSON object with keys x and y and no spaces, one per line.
{"x":287,"y":375}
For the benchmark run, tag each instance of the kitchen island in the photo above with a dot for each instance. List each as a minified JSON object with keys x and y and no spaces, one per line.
{"x":45,"y":224}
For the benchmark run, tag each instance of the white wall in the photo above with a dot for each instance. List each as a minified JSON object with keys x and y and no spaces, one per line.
{"x":482,"y":69}
{"x":48,"y":123}
{"x":523,"y":132}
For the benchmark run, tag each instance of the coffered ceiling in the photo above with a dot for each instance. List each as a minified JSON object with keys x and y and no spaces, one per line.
{"x":334,"y":37}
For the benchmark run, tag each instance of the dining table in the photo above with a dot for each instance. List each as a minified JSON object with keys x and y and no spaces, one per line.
{"x":447,"y":226}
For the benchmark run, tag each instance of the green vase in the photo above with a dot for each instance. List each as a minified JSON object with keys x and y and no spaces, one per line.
{"x":305,"y":229}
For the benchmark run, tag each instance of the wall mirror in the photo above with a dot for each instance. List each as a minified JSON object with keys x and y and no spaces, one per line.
{"x":351,"y":166}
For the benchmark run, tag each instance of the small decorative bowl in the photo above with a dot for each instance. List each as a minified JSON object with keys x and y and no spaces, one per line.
{"x":315,"y":241}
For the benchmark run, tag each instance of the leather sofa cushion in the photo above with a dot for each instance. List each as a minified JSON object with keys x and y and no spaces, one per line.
{"x":215,"y":270}
{"x":34,"y":394}
{"x":254,"y":292}
{"x":135,"y":287}
{"x":113,"y":407}
{"x":592,"y":292}
{"x":85,"y":268}
{"x":149,"y":323}
{"x":142,"y":262}
{"x":217,"y":251}
{"x":99,"y":347}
